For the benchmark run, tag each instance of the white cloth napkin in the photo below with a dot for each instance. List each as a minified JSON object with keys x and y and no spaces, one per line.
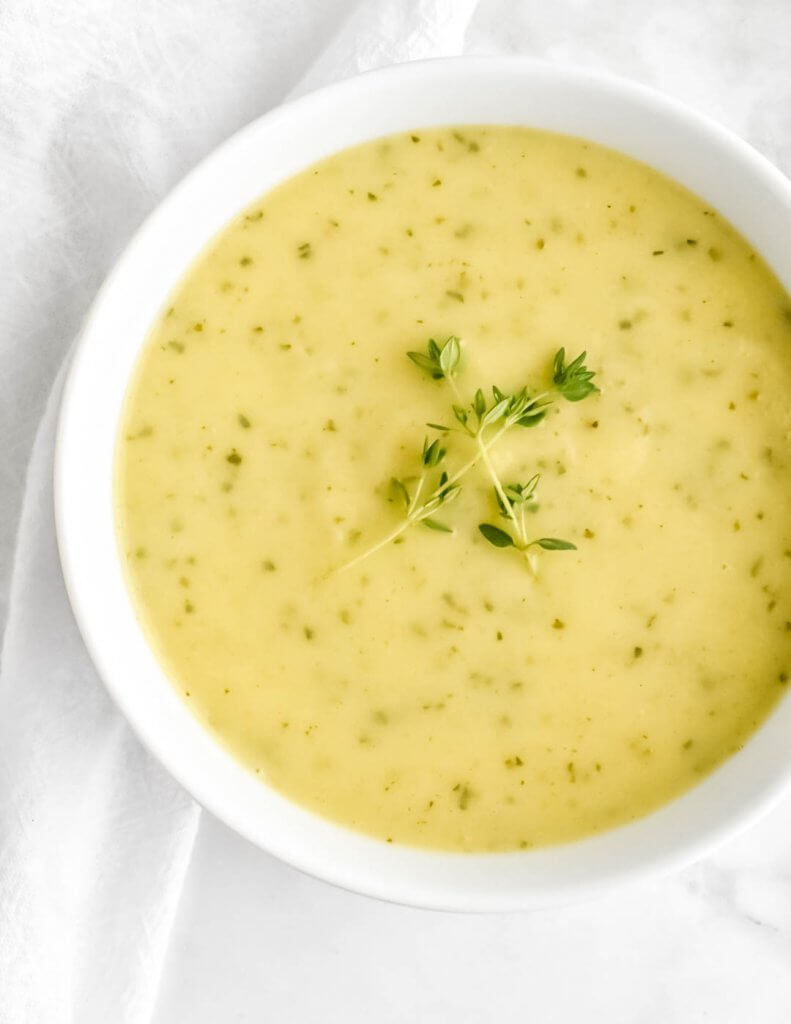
{"x":103,"y":106}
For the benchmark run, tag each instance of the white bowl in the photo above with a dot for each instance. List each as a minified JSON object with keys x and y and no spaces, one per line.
{"x":706,"y":158}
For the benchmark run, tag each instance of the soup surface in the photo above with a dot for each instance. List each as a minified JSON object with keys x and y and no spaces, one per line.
{"x":443,"y":691}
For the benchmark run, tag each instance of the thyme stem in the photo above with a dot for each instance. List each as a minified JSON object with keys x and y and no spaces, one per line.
{"x":509,"y":508}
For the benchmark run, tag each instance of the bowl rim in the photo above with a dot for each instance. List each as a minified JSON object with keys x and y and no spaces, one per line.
{"x":424,"y":878}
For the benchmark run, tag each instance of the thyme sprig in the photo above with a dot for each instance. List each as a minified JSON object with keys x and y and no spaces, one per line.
{"x":485,"y":421}
{"x":520,"y":495}
{"x":410,"y":490}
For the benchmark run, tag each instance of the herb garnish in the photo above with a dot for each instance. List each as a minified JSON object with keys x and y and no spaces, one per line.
{"x":485,"y":421}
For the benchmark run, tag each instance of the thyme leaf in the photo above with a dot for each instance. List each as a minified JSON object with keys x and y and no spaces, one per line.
{"x":499,"y":538}
{"x":553,"y":544}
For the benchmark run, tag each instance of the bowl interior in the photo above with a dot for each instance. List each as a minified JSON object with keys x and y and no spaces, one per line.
{"x":725,"y":171}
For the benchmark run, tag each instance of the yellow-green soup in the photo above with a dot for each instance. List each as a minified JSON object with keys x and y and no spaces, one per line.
{"x":442,"y":691}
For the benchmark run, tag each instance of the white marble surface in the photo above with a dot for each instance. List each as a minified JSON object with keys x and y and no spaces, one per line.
{"x":257,"y":941}
{"x":143,"y":91}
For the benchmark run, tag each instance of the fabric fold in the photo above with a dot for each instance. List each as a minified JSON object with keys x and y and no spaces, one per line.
{"x":95,"y":837}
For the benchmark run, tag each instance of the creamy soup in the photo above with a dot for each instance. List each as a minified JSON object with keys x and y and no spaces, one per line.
{"x":461,"y":687}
